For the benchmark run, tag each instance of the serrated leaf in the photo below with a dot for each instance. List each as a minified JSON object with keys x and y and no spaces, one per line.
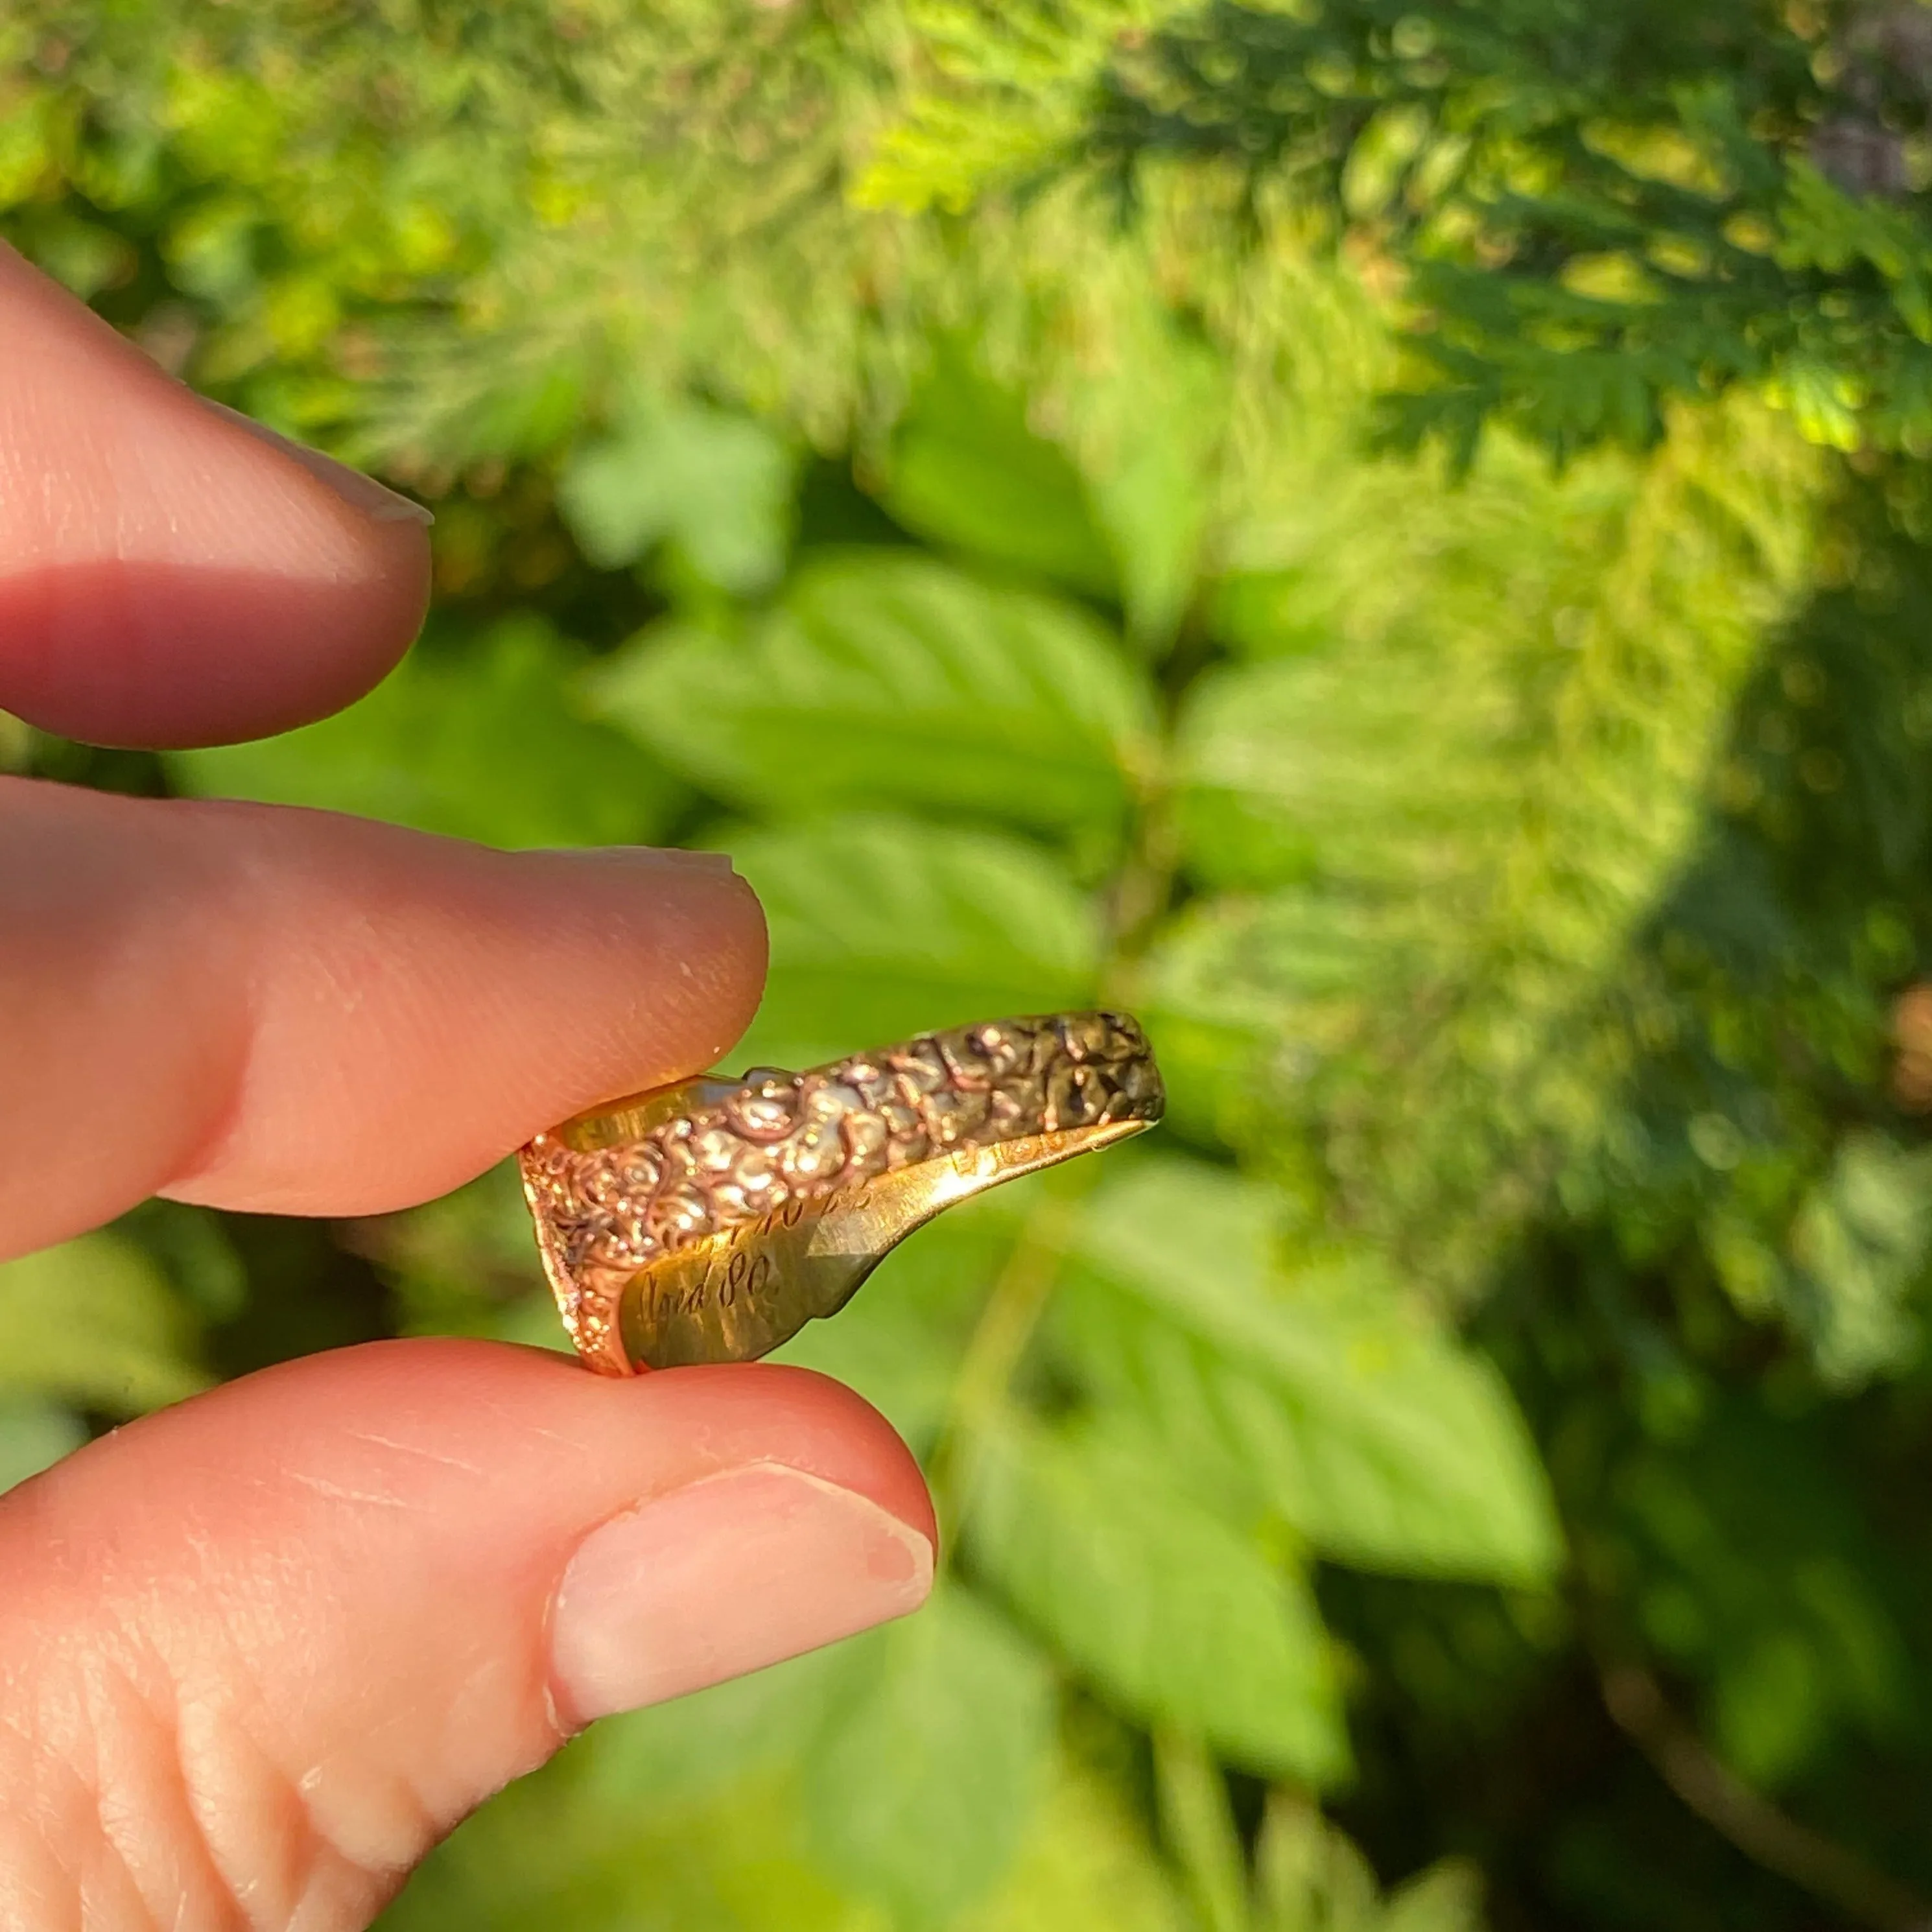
{"x":881,"y":928}
{"x":1278,"y":783}
{"x":884,"y":680}
{"x":131,"y":1353}
{"x":1383,"y":1441}
{"x":715,"y":484}
{"x":1173,"y":1613}
{"x":922,"y":1785}
{"x":480,"y":740}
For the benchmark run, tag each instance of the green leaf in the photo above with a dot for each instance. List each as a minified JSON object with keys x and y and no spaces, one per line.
{"x":16,"y":742}
{"x":716,"y":484}
{"x":881,"y":928}
{"x":482,"y":740}
{"x":1308,"y":1875}
{"x":191,"y":1247}
{"x":922,"y":1787}
{"x":549,"y":1853}
{"x":1249,"y":804}
{"x":464,"y":1264}
{"x":899,"y":1344}
{"x":700,"y":1746}
{"x":130,"y":1353}
{"x":1113,"y":504}
{"x":1447,"y":1898}
{"x":34,"y":1436}
{"x":1174,"y":1614}
{"x":1086,"y":1866}
{"x":684,"y":1817}
{"x":968,"y":472}
{"x":885,"y":680}
{"x":1199,"y":1828}
{"x":1757,"y":1571}
{"x":1859,"y":1244}
{"x":1145,"y":421}
{"x":1318,"y":1395}
{"x":1240,"y":994}
{"x":1287,"y":769}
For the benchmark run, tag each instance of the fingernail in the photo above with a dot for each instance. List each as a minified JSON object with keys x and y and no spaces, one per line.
{"x":375,"y":500}
{"x":725,"y":1576}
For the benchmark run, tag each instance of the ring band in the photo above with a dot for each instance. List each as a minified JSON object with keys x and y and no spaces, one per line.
{"x":710,"y":1220}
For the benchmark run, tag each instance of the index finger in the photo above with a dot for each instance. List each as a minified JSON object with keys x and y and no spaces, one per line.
{"x":171,"y":573}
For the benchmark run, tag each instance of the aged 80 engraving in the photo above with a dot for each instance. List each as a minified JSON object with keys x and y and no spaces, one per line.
{"x":710,"y":1221}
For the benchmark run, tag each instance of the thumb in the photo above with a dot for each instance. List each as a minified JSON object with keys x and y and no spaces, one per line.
{"x":259,"y":1652}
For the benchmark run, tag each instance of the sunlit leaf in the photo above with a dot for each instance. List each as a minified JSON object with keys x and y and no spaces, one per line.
{"x":1085,"y":1867}
{"x":698,"y":1747}
{"x":884,"y":680}
{"x":684,"y":1817}
{"x":1308,"y":1875}
{"x":546,"y":1853}
{"x":481,"y":739}
{"x":717,"y":484}
{"x":1859,"y":1245}
{"x":34,"y":1435}
{"x":1199,"y":1828}
{"x":1171,"y":1612}
{"x":969,"y":472}
{"x":1114,"y":504}
{"x":881,"y":928}
{"x":1146,"y":422}
{"x":93,"y":1323}
{"x":922,"y":1787}
{"x":1243,"y":993}
{"x":1320,"y":1396}
{"x":1285,"y":772}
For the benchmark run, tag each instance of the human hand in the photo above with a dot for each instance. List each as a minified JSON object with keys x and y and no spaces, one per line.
{"x":259,"y":1652}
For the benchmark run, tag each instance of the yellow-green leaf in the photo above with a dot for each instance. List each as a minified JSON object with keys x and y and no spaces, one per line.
{"x":93,"y":1323}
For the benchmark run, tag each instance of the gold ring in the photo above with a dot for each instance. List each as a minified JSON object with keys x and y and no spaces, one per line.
{"x":710,"y":1220}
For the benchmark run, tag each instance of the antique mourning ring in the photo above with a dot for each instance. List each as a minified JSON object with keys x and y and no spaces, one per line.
{"x":710,"y":1221}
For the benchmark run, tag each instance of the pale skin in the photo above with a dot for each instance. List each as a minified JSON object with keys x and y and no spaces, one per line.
{"x":260,"y":1652}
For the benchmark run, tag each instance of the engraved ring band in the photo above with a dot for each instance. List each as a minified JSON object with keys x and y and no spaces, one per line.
{"x":710,"y":1220}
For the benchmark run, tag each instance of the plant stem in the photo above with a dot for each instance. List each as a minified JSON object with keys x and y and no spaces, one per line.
{"x":1828,"y":1871}
{"x":1200,"y":1830}
{"x":999,"y":1337}
{"x":1136,"y":898}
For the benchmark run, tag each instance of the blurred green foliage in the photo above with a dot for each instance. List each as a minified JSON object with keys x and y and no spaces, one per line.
{"x":941,"y":457}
